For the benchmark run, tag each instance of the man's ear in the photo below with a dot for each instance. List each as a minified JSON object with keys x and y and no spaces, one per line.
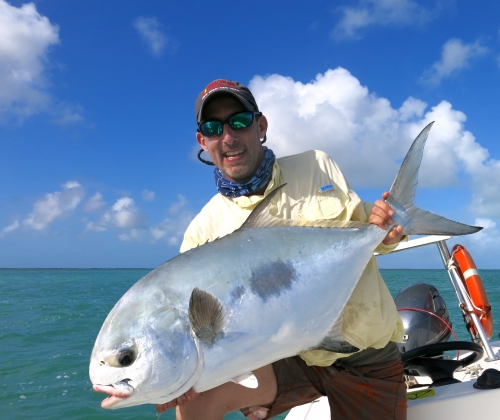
{"x":262,"y":123}
{"x":201,"y":140}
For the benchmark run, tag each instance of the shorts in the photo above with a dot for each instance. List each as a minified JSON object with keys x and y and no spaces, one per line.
{"x":374,"y":391}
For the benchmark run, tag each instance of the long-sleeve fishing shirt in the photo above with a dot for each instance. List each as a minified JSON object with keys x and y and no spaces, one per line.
{"x":316,"y":189}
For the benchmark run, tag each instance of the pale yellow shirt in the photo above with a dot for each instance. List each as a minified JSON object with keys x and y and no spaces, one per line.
{"x":370,"y":317}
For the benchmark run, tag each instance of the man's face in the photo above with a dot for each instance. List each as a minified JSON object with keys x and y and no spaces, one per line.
{"x":237,"y":153}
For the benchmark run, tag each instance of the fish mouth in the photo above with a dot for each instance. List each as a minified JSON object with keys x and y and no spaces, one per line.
{"x":117,"y":392}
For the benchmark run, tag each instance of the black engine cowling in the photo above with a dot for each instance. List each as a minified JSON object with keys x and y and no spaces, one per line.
{"x":422,"y":328}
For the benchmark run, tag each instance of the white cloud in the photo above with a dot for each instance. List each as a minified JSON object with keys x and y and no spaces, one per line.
{"x":379,"y":12}
{"x":133,"y":235}
{"x":335,"y":113}
{"x":9,"y":228}
{"x":148,"y":195}
{"x":25,"y":39}
{"x":94,"y":203}
{"x":95,"y":227}
{"x":455,"y":56}
{"x":486,"y":197}
{"x":174,"y":241}
{"x":173,"y":228}
{"x":126,"y":214}
{"x":368,"y":137}
{"x":123,"y":214}
{"x":65,"y":113}
{"x":150,"y":31}
{"x":489,"y":236}
{"x":71,"y":184}
{"x":55,"y":205}
{"x":176,"y":207}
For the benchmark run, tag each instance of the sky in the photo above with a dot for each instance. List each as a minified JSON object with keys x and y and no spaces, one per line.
{"x":98,"y":160}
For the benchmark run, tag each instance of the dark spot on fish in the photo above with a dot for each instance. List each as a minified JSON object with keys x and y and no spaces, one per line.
{"x":237,"y":293}
{"x":271,"y":278}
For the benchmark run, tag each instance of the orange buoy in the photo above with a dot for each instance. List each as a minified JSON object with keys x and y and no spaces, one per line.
{"x":474,"y":285}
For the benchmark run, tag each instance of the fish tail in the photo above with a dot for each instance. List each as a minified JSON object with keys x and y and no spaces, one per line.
{"x":414,"y":220}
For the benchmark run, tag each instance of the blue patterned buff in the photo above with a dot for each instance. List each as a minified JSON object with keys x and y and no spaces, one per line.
{"x":263,"y":175}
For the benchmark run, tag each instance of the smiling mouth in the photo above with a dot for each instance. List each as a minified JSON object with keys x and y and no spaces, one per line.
{"x":230,"y":155}
{"x":117,"y":393}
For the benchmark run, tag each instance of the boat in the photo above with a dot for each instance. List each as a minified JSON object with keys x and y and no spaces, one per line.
{"x":462,"y":385}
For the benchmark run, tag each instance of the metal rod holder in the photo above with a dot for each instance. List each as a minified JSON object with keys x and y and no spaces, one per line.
{"x":463,"y":299}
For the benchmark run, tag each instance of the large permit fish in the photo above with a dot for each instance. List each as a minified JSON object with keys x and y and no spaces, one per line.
{"x":272,"y":289}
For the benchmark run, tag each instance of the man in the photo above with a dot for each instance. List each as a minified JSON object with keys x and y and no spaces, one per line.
{"x":230,"y":129}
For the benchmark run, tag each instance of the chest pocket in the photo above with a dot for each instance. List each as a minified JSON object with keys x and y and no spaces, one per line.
{"x":325,"y":206}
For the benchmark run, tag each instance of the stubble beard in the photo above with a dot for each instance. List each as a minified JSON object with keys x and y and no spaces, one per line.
{"x":239,"y":175}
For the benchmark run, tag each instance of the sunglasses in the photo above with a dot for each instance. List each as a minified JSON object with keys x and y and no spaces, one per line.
{"x":236,"y":122}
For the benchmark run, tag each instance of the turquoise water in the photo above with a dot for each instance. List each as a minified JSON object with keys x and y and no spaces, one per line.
{"x":49,"y":320}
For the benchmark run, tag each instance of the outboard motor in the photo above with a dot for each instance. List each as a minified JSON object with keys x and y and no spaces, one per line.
{"x":421,"y":326}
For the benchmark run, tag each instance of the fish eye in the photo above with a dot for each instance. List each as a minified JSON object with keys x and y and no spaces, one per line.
{"x":126,"y":357}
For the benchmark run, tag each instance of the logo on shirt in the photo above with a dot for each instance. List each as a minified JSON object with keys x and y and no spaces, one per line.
{"x":325,"y":188}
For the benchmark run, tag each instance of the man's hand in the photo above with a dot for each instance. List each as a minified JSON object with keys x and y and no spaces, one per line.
{"x":183,"y":399}
{"x":382,"y":217}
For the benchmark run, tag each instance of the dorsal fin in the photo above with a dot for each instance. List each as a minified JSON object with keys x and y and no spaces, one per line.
{"x":261,"y":211}
{"x":206,"y":314}
{"x":260,"y":217}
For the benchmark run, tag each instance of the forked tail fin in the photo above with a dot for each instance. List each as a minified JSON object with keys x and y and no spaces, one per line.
{"x":416,"y":221}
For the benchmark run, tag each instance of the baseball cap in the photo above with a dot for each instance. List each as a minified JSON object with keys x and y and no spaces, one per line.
{"x":224,"y":87}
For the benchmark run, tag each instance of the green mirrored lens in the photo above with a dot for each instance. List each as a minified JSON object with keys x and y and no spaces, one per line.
{"x":242,"y":120}
{"x":211,"y":128}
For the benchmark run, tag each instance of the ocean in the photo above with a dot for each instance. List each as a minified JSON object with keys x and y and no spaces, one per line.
{"x":49,"y":320}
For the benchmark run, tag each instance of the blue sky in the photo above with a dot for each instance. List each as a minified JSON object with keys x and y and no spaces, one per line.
{"x":97,"y":128}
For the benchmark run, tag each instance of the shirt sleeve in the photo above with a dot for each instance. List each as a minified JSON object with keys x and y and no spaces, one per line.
{"x":188,"y":243}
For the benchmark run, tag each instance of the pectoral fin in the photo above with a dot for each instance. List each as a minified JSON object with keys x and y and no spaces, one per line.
{"x":207,"y":315}
{"x":247,"y":380}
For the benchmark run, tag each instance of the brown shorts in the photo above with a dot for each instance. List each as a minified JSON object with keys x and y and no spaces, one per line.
{"x":374,"y":391}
